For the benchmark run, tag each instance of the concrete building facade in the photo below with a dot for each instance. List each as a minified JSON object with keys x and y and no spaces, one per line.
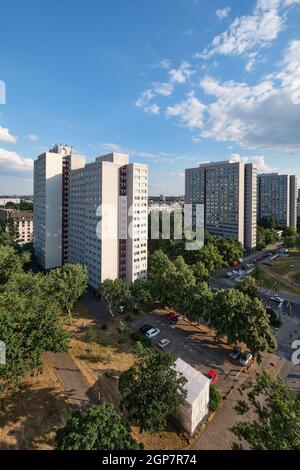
{"x":23,"y":222}
{"x":228,"y":191}
{"x":277,"y":198}
{"x":100,"y":218}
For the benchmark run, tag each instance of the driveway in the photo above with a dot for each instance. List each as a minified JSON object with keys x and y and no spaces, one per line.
{"x":96,"y":306}
{"x":197,"y":347}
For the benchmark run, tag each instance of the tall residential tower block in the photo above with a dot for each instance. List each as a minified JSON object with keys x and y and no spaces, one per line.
{"x":277,"y":196}
{"x":94,"y":214}
{"x":228,"y":191}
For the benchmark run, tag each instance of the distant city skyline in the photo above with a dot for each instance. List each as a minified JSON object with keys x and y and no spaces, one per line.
{"x":174,"y":84}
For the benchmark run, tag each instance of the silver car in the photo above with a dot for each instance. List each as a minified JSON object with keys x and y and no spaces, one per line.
{"x":245,"y":358}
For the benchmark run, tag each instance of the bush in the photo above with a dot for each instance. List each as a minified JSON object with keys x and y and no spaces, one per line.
{"x":90,"y":336}
{"x":104,"y":327}
{"x":139,"y":338}
{"x":274,"y":320}
{"x":215,"y":398}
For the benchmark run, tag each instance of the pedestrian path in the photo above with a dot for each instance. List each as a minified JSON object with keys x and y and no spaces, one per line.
{"x":77,"y":389}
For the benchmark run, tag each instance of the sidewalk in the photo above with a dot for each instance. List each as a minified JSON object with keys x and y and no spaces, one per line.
{"x":75,"y":386}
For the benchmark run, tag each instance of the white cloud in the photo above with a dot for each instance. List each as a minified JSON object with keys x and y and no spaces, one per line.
{"x":12,"y":162}
{"x":145,"y":97}
{"x":163,"y":88}
{"x":152,"y":109}
{"x":265,"y":115}
{"x":251,"y":61}
{"x":111,"y":148}
{"x":258,"y":160}
{"x":182,"y":74}
{"x":250,"y":32}
{"x":190,"y":112}
{"x":223,"y":13}
{"x":5,"y":136}
{"x":179,"y":174}
{"x":32,"y":138}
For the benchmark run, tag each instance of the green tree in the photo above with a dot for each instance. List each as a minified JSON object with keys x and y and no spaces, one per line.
{"x":30,"y":324}
{"x":229,"y":249}
{"x":180,"y":282}
{"x":267,"y":222}
{"x":114,"y":292}
{"x":141,"y":293}
{"x":215,"y":398}
{"x":249,"y":287}
{"x":100,"y":427}
{"x":152,"y":389}
{"x":211,"y":258}
{"x":196,"y":302}
{"x":11,"y":262}
{"x":242,"y":319}
{"x":67,"y":284}
{"x":200,"y":272}
{"x":161,"y":269}
{"x":290,"y":241}
{"x":277,"y":426}
{"x":8,"y":233}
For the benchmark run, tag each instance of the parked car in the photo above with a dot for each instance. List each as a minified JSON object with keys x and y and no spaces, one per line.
{"x":235,"y":353}
{"x":245,"y":358}
{"x":213,"y":376}
{"x":121,"y":309}
{"x":152,"y":333}
{"x":174,"y":320}
{"x":230,"y":274}
{"x":145,"y":328}
{"x":276,"y":298}
{"x":163,"y":343}
{"x":170,"y":315}
{"x":241,"y":260}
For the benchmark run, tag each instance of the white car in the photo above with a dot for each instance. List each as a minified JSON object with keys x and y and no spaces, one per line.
{"x":163,"y":343}
{"x":241,"y":260}
{"x":245,"y":358}
{"x":152,"y":333}
{"x":229,"y":274}
{"x":275,"y":298}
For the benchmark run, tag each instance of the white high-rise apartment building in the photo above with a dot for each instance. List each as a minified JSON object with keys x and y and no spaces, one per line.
{"x":277,"y":198}
{"x":101,"y":219}
{"x":228,"y":191}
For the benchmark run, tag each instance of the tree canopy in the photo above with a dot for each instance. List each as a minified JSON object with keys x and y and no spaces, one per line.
{"x":67,"y":284}
{"x":100,"y":427}
{"x":151,"y":389}
{"x":114,"y":292}
{"x":277,"y":416}
{"x":30,"y":324}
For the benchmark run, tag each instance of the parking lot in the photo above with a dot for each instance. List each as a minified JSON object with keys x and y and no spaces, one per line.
{"x":195,"y":346}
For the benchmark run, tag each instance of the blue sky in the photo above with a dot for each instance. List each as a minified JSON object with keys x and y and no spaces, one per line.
{"x":174,"y":83}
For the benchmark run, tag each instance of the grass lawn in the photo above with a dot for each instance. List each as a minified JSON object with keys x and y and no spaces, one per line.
{"x":30,"y":417}
{"x":102,"y":357}
{"x":280,"y":276}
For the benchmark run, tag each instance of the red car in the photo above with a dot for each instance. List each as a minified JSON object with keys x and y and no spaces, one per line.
{"x":234,"y":263}
{"x":213,"y":376}
{"x":171,"y":315}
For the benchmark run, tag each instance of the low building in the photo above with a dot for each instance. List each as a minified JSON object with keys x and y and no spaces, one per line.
{"x":23,"y":221}
{"x":196,"y":404}
{"x":5,"y":200}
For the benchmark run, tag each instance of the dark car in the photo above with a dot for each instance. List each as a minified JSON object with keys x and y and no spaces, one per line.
{"x":174,"y":320}
{"x":145,"y":328}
